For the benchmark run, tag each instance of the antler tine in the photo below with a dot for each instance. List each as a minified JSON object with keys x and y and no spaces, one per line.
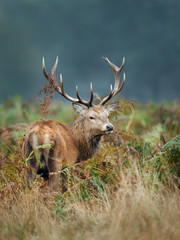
{"x":44,"y":68}
{"x":91,"y":97}
{"x":108,"y":97}
{"x":117,"y":72}
{"x":77,"y":94}
{"x":89,"y":104}
{"x":55,"y":66}
{"x":62,"y":92}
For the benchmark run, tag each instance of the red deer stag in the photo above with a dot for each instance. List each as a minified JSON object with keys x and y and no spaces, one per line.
{"x":69,"y":144}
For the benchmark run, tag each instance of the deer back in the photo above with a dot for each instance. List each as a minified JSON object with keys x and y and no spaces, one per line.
{"x":56,"y":134}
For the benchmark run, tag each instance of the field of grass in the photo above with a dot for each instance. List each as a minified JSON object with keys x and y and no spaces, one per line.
{"x":129,"y":190}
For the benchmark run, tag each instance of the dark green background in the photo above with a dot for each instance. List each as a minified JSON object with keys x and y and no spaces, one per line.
{"x":80,"y":32}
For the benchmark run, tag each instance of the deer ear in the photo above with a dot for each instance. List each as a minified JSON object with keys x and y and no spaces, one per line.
{"x":111,"y":107}
{"x":79,"y":108}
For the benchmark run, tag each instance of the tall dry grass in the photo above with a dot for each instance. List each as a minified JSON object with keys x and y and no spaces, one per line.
{"x":132,"y":212}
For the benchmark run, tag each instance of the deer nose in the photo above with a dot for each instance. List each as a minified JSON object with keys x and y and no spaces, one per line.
{"x":109,"y":128}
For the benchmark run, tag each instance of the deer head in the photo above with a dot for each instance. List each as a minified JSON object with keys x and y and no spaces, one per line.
{"x":95,"y":117}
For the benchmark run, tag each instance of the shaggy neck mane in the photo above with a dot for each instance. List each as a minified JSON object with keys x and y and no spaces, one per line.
{"x":86,"y":143}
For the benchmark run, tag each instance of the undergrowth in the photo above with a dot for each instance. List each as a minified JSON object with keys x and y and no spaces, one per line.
{"x":128,"y":190}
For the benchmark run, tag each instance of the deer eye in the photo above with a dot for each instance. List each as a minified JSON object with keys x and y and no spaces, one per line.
{"x":92,"y":118}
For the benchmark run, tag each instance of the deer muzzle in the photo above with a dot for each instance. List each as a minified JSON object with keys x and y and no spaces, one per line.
{"x":109,"y":128}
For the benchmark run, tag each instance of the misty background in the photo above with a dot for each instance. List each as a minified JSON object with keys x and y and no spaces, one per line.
{"x":145,"y":32}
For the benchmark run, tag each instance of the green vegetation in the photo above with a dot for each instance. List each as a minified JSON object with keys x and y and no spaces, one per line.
{"x":128,"y":190}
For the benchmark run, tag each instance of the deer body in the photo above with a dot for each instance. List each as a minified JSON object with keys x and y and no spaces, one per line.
{"x":63,"y":150}
{"x":69,"y":144}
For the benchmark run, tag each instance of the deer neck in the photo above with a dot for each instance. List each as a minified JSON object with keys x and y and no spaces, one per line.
{"x":85,"y":141}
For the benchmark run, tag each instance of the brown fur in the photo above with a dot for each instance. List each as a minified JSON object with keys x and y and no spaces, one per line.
{"x":69,"y":144}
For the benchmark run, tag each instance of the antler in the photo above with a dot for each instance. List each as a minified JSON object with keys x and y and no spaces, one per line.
{"x":52,"y":77}
{"x":117,"y":72}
